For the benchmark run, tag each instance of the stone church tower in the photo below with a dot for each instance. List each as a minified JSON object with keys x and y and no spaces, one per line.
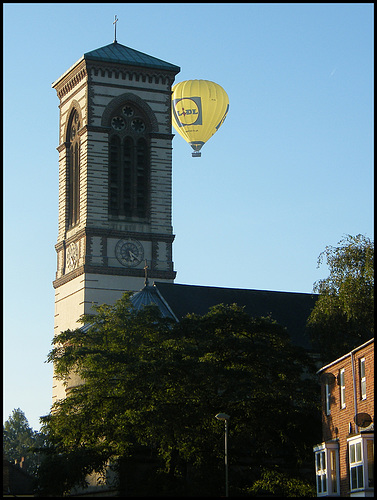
{"x":115,"y":180}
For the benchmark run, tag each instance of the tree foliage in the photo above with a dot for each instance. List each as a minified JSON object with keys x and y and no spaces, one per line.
{"x":19,"y":440}
{"x":274,"y":483}
{"x":154,"y":384}
{"x":343,"y":316}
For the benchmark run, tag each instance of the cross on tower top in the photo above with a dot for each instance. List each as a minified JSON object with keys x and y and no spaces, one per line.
{"x":115,"y":28}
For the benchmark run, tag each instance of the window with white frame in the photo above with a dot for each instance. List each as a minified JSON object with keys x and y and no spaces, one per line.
{"x":361,"y":462}
{"x":342,"y":388}
{"x":321,"y":471}
{"x":327,"y":468}
{"x":363,"y":382}
{"x":356,"y":466}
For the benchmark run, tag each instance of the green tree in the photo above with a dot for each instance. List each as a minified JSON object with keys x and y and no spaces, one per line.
{"x":19,"y":439}
{"x":274,"y":483}
{"x":154,"y":384}
{"x":343,"y":316}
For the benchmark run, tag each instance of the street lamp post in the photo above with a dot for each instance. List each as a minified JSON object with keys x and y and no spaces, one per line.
{"x":225,"y":417}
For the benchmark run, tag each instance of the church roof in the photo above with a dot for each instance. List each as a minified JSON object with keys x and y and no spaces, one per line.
{"x":117,"y":53}
{"x":289,"y":309}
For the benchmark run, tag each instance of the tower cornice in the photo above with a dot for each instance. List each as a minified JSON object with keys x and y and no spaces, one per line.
{"x":82,"y":68}
{"x":70,"y":78}
{"x":121,"y":71}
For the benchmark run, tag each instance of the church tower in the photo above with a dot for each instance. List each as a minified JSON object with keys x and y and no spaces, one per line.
{"x":115,"y":180}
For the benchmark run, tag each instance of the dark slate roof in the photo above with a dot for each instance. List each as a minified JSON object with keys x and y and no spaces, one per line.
{"x":118,"y":53}
{"x":290,"y":309}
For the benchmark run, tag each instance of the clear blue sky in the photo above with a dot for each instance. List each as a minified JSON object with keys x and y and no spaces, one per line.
{"x":289,"y":172}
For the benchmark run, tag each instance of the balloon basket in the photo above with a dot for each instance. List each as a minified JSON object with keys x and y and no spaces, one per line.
{"x":196,"y":154}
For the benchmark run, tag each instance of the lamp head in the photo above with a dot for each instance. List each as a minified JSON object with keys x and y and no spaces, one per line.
{"x":222,"y":416}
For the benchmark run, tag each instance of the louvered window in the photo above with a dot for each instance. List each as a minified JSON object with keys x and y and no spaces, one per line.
{"x":73,"y":170}
{"x":129,"y":165}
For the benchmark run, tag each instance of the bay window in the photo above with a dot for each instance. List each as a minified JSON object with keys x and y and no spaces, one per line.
{"x":327,"y":468}
{"x":361,"y":462}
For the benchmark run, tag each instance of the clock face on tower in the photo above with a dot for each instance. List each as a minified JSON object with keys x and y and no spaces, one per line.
{"x":129,"y":252}
{"x":72,"y":256}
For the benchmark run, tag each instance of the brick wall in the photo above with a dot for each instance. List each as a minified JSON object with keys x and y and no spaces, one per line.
{"x":340,"y":423}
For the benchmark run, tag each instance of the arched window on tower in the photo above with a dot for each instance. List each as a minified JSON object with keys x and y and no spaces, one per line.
{"x":73,"y":184}
{"x":129,"y":164}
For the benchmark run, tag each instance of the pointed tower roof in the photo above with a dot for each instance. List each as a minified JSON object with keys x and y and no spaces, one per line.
{"x":117,"y":53}
{"x":150,"y":295}
{"x":146,"y":296}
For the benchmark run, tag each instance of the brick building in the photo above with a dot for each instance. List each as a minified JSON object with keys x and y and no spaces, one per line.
{"x":344,"y":461}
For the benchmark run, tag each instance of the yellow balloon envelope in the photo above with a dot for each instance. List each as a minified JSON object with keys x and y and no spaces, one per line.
{"x":199,"y":108}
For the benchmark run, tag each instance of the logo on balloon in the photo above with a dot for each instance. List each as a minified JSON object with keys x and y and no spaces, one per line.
{"x":187,"y":111}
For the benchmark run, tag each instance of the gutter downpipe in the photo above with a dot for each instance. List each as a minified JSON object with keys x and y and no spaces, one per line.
{"x":354,"y":392}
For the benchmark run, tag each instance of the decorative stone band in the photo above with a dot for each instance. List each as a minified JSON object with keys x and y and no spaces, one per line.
{"x":114,"y":271}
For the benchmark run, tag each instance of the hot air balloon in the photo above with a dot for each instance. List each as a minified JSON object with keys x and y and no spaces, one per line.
{"x":199,"y":108}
